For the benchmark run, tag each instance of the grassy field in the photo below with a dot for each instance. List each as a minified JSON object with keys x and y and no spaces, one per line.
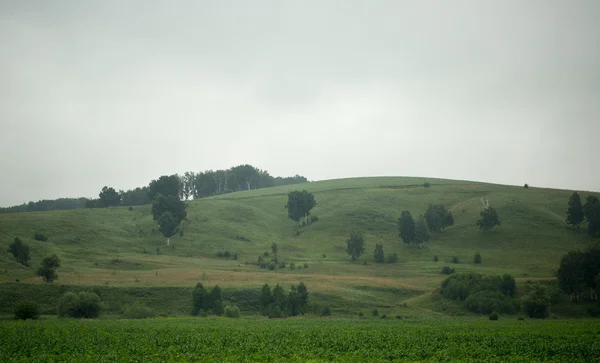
{"x":117,"y":248}
{"x":299,"y":340}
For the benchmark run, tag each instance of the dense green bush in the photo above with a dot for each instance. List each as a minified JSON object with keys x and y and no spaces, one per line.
{"x":326,"y":311}
{"x":232,"y":311}
{"x":138,"y":311}
{"x":435,"y":258}
{"x":494,"y":316}
{"x":455,"y":259}
{"x":460,"y":286}
{"x":392,"y":258}
{"x":207,"y":301}
{"x":477,"y":258}
{"x":536,"y":303}
{"x":26,"y":310}
{"x":447,"y":270}
{"x":80,"y":305}
{"x":375,"y":312}
{"x":40,"y":237}
{"x":486,"y":302}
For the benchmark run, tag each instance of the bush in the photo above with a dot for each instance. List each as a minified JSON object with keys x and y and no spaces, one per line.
{"x":494,"y":316}
{"x":520,"y":318}
{"x":426,"y":185}
{"x":313,"y":219}
{"x":138,"y":311}
{"x":80,"y":305}
{"x":305,"y":265}
{"x":477,"y":258}
{"x":292,"y":266}
{"x":232,"y":311}
{"x":455,"y":259}
{"x":361,"y":314}
{"x":27,"y":310}
{"x":181,"y":233}
{"x":40,"y":237}
{"x":383,"y":316}
{"x":282,"y":265}
{"x":526,"y":186}
{"x":326,"y":311}
{"x":447,"y":270}
{"x":266,"y":253}
{"x":393,"y":258}
{"x":272,"y":266}
{"x":536,"y":304}
{"x":375,"y":312}
{"x":487,"y":302}
{"x":435,"y":258}
{"x":399,"y":317}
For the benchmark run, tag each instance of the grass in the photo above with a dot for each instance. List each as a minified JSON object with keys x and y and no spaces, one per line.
{"x":115,"y":247}
{"x":299,"y":340}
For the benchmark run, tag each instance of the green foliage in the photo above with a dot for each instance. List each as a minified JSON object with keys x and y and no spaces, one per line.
{"x":435,"y":258}
{"x":299,"y":205}
{"x":591,"y":211}
{"x":138,"y":311}
{"x":26,"y":310}
{"x":278,"y":304}
{"x":526,"y":186}
{"x":48,"y":268}
{"x":447,"y":270}
{"x":477,"y":258}
{"x":378,"y":255}
{"x":326,"y":311}
{"x":421,"y":233}
{"x":461,"y":286}
{"x":392,"y":258}
{"x":489,"y":219}
{"x":232,"y":311}
{"x":426,"y":185}
{"x":455,"y":259}
{"x":169,"y":211}
{"x":355,"y":245}
{"x":494,"y":315}
{"x":438,"y":217}
{"x":40,"y":237}
{"x":109,"y":197}
{"x":207,"y":301}
{"x":20,"y":251}
{"x":570,"y":273}
{"x":487,"y":301}
{"x":406,"y":227}
{"x":374,"y":312}
{"x":80,"y":305}
{"x":536,"y":303}
{"x":166,"y":185}
{"x":575,"y":211}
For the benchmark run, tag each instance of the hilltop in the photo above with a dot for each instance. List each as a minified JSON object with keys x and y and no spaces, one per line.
{"x":122,"y":247}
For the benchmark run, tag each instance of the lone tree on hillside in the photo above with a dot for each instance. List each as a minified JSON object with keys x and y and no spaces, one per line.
{"x":20,"y":250}
{"x":489,"y":217}
{"x":168,"y":211}
{"x":109,"y":197}
{"x":299,"y":205}
{"x":355,"y":245}
{"x":575,"y":211}
{"x":48,"y":268}
{"x":438,"y":217}
{"x":378,"y":255}
{"x":165,"y":185}
{"x":421,"y":233}
{"x":406,"y":227}
{"x":591,"y":210}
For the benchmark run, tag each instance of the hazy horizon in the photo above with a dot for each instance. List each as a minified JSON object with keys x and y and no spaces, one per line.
{"x":112,"y":93}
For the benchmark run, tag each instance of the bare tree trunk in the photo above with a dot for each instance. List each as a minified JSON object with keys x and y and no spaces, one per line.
{"x":168,"y":241}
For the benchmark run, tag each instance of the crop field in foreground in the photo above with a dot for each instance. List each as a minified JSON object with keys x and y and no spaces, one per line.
{"x":299,"y":340}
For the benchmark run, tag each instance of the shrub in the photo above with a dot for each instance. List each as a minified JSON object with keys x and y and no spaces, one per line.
{"x":292,"y":266}
{"x":235,"y":256}
{"x":272,"y":266}
{"x":520,"y":318}
{"x":232,"y":311}
{"x":375,"y":312}
{"x":305,"y":265}
{"x":398,"y":317}
{"x":526,"y":186}
{"x":227,"y":254}
{"x":435,"y":258}
{"x":314,"y":219}
{"x":27,"y":310}
{"x":494,"y":316}
{"x":138,"y":311}
{"x":365,"y":262}
{"x":325,"y":311}
{"x":447,"y":270}
{"x":79,"y":305}
{"x":40,"y":237}
{"x":477,"y":258}
{"x":487,"y":302}
{"x":130,"y":208}
{"x":181,"y":233}
{"x":361,"y":314}
{"x":266,"y":253}
{"x":393,"y":258}
{"x":383,"y":316}
{"x":536,"y":305}
{"x":48,"y":268}
{"x":455,"y":259}
{"x":426,"y":185}
{"x":282,"y":265}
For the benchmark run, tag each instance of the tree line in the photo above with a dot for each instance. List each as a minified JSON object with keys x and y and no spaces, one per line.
{"x":192,"y":185}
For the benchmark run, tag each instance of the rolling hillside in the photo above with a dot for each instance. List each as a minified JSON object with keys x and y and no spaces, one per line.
{"x":118,"y":247}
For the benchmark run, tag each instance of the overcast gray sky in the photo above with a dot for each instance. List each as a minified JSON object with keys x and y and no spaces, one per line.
{"x":117,"y":93}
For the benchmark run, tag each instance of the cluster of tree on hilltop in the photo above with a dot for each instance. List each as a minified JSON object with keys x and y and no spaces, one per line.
{"x":191,"y":185}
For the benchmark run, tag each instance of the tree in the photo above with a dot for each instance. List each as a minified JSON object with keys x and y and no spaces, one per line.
{"x":590,"y":269}
{"x":246,"y":175}
{"x":48,"y":268}
{"x":198,"y":298}
{"x":169,"y":212}
{"x":489,"y":219}
{"x":536,"y":304}
{"x":165,"y":185}
{"x":266,"y":298}
{"x":591,"y":212}
{"x":421,"y":233}
{"x":20,"y":250}
{"x":167,"y":225}
{"x":27,"y":310}
{"x":275,"y":251}
{"x":205,"y":184}
{"x":299,"y":205}
{"x":355,"y":245}
{"x":438,"y":217}
{"x":109,"y":197}
{"x":575,"y":211}
{"x":406,"y":227}
{"x":378,"y":255}
{"x":80,"y":305}
{"x":570,"y":274}
{"x":187,"y":181}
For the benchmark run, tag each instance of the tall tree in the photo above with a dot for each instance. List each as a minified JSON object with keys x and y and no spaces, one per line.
{"x":109,"y":197}
{"x":165,"y":185}
{"x":20,"y":250}
{"x":48,"y":268}
{"x":246,"y":176}
{"x":489,"y":219}
{"x":355,"y":245}
{"x":169,"y":212}
{"x":591,"y":269}
{"x":378,"y":255}
{"x":571,"y":275}
{"x":438,"y":217}
{"x":591,"y":211}
{"x":187,"y":185}
{"x":406,"y":227}
{"x":299,"y":205}
{"x":421,"y":232}
{"x":575,"y":211}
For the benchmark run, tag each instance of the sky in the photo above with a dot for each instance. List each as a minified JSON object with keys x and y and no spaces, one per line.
{"x":117,"y":93}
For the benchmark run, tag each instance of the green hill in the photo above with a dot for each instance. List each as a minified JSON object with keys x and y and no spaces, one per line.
{"x":117,"y":247}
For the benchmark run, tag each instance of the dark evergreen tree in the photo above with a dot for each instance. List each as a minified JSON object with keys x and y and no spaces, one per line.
{"x":406,"y":227}
{"x":575,"y":211}
{"x":20,"y":251}
{"x":591,"y":212}
{"x":489,"y":219}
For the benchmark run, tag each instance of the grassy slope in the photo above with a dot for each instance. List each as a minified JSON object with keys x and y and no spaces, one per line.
{"x":529,"y":243}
